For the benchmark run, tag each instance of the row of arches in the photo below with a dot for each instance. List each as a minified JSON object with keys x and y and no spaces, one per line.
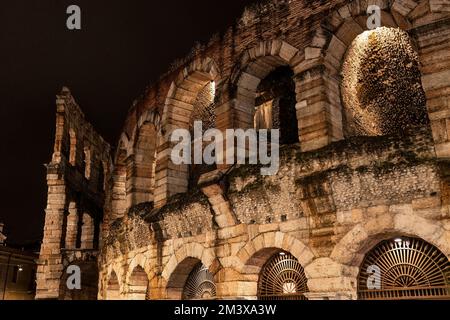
{"x":366,"y":94}
{"x":396,"y":268}
{"x":80,"y":229}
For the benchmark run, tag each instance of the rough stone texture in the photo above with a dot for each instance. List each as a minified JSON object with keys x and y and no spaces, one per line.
{"x":74,"y":210}
{"x":332,"y":201}
{"x":381,"y":88}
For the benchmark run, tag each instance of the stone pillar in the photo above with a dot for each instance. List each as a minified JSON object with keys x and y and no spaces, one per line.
{"x":328,"y":280}
{"x":434,"y":45}
{"x":72,"y":227}
{"x":318,"y":108}
{"x":223,"y":213}
{"x":87,"y":232}
{"x":50,"y":261}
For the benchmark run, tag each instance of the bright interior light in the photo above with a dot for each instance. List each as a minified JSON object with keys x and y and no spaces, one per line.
{"x":20,"y":269}
{"x":398,"y":240}
{"x":282,"y":253}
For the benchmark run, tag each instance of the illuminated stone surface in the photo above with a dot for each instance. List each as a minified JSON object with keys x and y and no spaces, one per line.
{"x":331,"y":202}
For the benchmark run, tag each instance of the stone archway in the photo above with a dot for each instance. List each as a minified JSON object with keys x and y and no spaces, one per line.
{"x":191,"y":279}
{"x":178,"y":114}
{"x":282,"y":278}
{"x":404,"y":268}
{"x":138,"y":284}
{"x":252,"y":258}
{"x":112,"y":290}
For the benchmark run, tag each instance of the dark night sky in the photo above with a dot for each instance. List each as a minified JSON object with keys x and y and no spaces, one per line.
{"x":122,"y":47}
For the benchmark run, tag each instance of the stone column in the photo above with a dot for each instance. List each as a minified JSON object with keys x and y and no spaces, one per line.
{"x":329,"y":280}
{"x":50,"y":261}
{"x":318,"y":108}
{"x":434,"y":46}
{"x":72,"y":227}
{"x":87,"y":232}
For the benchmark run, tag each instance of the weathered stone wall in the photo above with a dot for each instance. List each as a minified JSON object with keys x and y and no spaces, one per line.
{"x":327,"y":207}
{"x":310,"y":37}
{"x":76,"y":181}
{"x":332,"y":200}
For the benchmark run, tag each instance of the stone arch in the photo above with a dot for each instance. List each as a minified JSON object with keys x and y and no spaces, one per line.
{"x":119,"y":180}
{"x":113,"y":285}
{"x":345,"y":23}
{"x":178,"y":110}
{"x":265,"y":245}
{"x":182,"y":263}
{"x":141,"y":180}
{"x":255,"y":65}
{"x":341,"y":35}
{"x":140,"y":261}
{"x":112,"y":288}
{"x":352,"y":248}
{"x":138,"y":284}
{"x":404,"y":268}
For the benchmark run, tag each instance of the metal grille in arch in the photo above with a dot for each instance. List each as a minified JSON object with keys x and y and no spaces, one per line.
{"x":282,"y":278}
{"x":200,"y":284}
{"x":404,"y":268}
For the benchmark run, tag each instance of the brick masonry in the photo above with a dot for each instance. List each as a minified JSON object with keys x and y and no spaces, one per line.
{"x":331,"y":202}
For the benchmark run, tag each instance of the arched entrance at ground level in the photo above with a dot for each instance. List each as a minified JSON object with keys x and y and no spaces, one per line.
{"x":138,"y":285}
{"x":200,"y":284}
{"x":113,"y":288}
{"x":404,"y":268}
{"x":191,"y":280}
{"x":282,"y":278}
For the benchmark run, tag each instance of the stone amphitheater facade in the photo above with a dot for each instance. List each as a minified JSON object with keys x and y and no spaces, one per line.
{"x":369,"y":171}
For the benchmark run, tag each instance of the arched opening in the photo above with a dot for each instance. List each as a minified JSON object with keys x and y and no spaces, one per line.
{"x":142,"y":175}
{"x":381,"y":84}
{"x":191,"y":280}
{"x":113,"y":288}
{"x":119,"y":180}
{"x":204,"y":111}
{"x":190,"y":98}
{"x":200,"y":284}
{"x":138,"y":284}
{"x":275,"y":104}
{"x":281,"y":278}
{"x":404,"y":268}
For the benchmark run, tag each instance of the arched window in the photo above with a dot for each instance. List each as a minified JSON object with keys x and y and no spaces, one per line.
{"x":275,"y":104}
{"x":381,"y":86}
{"x":282,"y":278}
{"x":142,"y":175}
{"x":404,"y":268}
{"x":191,"y":280}
{"x":119,"y":181}
{"x":204,"y":111}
